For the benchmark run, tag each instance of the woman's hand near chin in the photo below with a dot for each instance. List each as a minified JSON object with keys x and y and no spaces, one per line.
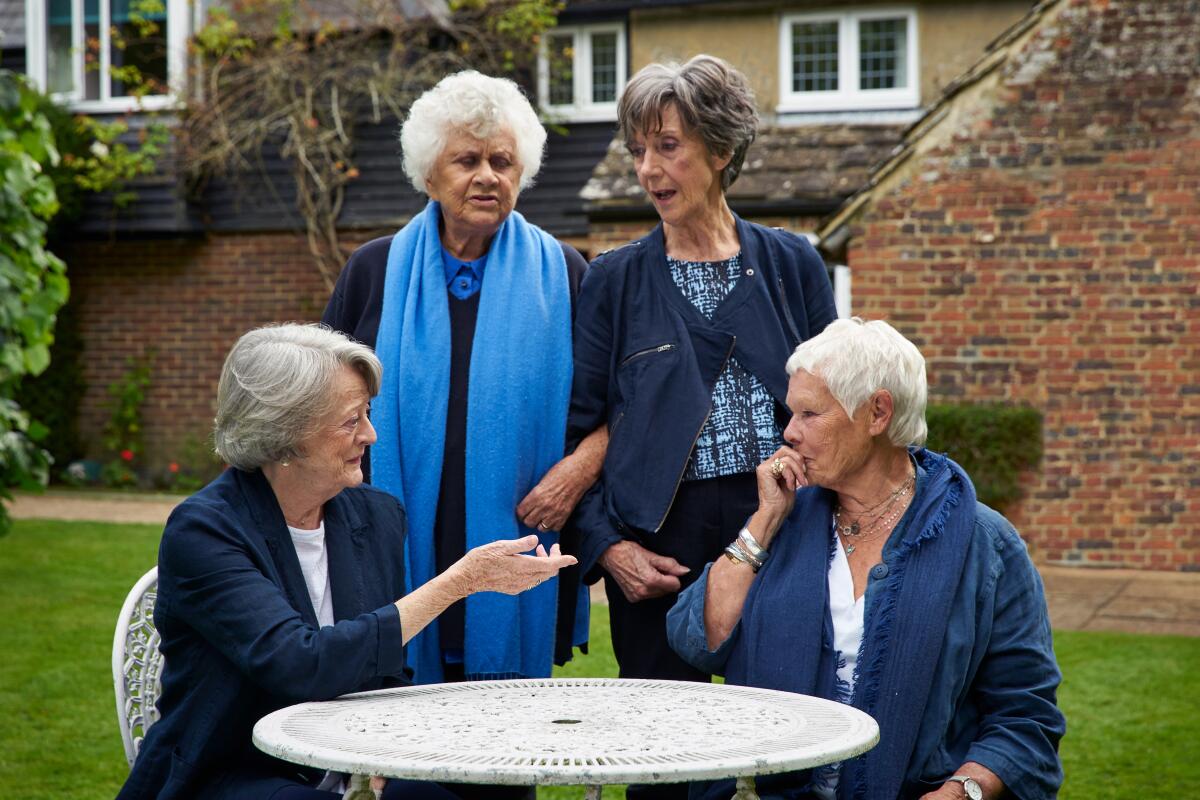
{"x":778,"y":479}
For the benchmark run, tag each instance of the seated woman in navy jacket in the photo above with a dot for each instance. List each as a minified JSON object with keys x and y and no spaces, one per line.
{"x":282,"y":581}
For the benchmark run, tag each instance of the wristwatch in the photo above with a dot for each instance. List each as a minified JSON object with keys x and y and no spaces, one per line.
{"x":970,"y":786}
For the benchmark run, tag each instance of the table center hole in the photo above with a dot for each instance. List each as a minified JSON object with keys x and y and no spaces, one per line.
{"x":566,"y":721}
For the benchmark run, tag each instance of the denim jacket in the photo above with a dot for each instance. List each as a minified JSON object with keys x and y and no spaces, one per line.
{"x":646,"y":361}
{"x":992,"y":697}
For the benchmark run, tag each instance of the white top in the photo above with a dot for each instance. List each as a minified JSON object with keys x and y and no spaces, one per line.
{"x":567,"y":731}
{"x":847,"y":616}
{"x":314,"y":563}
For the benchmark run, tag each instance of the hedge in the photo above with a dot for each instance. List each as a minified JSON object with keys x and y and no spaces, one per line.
{"x":993,"y":443}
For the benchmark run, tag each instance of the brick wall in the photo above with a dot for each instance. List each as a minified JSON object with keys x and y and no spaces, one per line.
{"x":189,"y":300}
{"x":1046,"y":250}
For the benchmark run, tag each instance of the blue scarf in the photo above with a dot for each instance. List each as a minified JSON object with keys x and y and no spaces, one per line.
{"x":519,"y":389}
{"x":902,"y":638}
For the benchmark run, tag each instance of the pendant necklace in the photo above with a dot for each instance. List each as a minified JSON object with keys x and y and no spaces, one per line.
{"x":893,"y":507}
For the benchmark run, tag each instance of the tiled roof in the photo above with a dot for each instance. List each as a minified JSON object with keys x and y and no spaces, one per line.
{"x":812,"y":165}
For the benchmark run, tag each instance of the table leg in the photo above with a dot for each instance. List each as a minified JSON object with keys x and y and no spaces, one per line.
{"x":359,"y":789}
{"x":745,"y":789}
{"x":593,"y":792}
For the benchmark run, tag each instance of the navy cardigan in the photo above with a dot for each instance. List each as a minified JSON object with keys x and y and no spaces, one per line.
{"x":646,"y":361}
{"x":241,"y":639}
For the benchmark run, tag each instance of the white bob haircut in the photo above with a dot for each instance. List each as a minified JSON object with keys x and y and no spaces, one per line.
{"x":476,"y":104}
{"x":276,"y":384}
{"x":857,"y":359}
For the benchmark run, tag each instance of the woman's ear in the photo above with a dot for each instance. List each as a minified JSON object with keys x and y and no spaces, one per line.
{"x":882,"y":409}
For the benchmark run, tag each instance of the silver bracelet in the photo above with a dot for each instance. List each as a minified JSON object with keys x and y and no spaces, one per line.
{"x":735,"y":553}
{"x":750,"y":545}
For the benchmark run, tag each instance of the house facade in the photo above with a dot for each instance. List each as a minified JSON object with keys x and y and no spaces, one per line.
{"x":1038,"y":235}
{"x":837,"y":85}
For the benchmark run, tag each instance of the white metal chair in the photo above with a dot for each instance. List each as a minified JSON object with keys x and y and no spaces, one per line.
{"x":137,"y":664}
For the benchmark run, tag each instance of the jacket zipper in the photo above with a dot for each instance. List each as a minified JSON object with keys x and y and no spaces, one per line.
{"x":695,"y":438}
{"x":662,"y":348}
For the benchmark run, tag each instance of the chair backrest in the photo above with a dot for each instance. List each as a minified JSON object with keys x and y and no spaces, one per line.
{"x":137,"y":664}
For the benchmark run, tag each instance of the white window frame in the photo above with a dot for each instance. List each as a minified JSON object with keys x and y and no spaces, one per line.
{"x":848,"y":97}
{"x":179,"y":17}
{"x":583,"y":109}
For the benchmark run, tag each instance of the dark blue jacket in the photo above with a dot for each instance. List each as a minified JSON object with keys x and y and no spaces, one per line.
{"x":241,"y":639}
{"x":646,"y":361}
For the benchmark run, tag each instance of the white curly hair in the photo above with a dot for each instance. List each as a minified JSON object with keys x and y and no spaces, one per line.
{"x":479,"y":105}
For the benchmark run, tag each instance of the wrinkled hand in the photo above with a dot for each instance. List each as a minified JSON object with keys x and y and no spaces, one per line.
{"x":549,"y":503}
{"x":501,"y":566}
{"x":640,"y":573}
{"x":777,"y":491}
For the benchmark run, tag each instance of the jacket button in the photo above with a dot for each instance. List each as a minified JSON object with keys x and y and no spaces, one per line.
{"x":879,"y":571}
{"x":750,"y":271}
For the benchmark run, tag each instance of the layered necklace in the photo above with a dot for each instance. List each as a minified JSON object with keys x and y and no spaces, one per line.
{"x":876,"y":519}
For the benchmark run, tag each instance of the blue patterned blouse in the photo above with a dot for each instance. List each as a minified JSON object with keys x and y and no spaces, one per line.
{"x":741,"y":431}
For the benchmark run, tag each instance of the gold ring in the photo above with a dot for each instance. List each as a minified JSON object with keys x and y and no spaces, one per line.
{"x":542,"y":526}
{"x":777,"y":467}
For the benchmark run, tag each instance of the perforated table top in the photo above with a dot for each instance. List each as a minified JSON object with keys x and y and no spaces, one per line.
{"x":567,"y":731}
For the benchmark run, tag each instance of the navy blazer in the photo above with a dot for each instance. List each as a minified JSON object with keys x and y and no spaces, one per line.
{"x":241,"y":639}
{"x":646,"y":361}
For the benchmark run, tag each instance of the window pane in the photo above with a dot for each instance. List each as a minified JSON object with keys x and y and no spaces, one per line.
{"x":815,"y":57}
{"x":139,"y":43}
{"x":91,"y":49}
{"x":883,"y":54}
{"x":58,"y":47}
{"x":604,"y":67}
{"x":561,"y":53}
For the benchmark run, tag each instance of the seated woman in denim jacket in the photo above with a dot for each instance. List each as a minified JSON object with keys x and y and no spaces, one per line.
{"x":869,"y":574}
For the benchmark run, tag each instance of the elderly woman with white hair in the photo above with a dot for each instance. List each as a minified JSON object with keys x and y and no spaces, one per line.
{"x":469,"y":307}
{"x":869,"y":574}
{"x":282,"y":581}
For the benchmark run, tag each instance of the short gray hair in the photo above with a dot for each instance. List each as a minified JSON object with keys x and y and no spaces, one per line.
{"x":713,"y":100}
{"x":476,"y":104}
{"x":276,"y":383}
{"x":857,"y":359}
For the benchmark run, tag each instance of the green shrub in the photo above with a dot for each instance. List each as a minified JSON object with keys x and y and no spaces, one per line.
{"x":52,"y":398}
{"x":993,"y":443}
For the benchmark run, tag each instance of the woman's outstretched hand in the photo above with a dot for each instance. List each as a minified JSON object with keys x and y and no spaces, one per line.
{"x":504,"y":566}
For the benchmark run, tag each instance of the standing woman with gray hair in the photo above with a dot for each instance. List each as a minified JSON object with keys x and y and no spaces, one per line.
{"x":469,"y":308}
{"x":282,"y":581}
{"x":678,"y":341}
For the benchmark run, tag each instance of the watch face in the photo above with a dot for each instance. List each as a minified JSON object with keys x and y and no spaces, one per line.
{"x":974,"y":790}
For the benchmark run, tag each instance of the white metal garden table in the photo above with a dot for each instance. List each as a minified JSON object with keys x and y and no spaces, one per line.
{"x":589,"y":731}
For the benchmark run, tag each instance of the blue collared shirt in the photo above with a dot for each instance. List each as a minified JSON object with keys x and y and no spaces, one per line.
{"x":463,"y":278}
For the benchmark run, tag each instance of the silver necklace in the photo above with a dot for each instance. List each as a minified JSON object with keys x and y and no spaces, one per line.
{"x":893,"y":508}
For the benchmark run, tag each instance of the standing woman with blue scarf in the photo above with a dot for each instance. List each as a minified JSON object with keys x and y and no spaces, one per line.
{"x":869,"y":574}
{"x":469,"y":308}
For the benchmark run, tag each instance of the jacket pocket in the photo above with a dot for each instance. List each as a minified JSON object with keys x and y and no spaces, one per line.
{"x":647,"y":351}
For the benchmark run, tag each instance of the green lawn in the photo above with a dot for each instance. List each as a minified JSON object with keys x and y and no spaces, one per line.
{"x":1132,"y":702}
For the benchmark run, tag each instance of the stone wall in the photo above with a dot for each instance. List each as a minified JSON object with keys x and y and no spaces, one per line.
{"x":1043,"y":247}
